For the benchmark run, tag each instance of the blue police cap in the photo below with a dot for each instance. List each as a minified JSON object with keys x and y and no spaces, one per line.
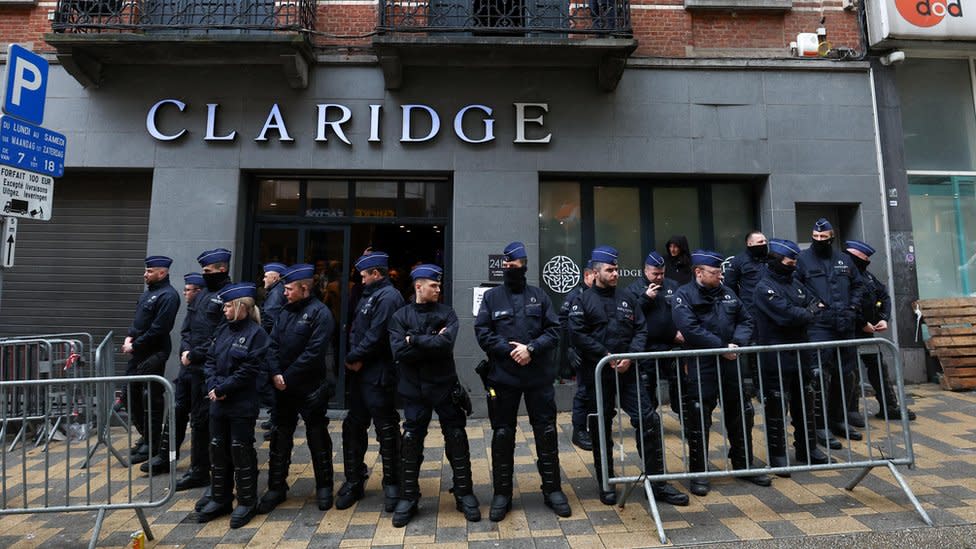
{"x":515,"y":250}
{"x":195,"y":279}
{"x":237,"y":291}
{"x":707,"y":258}
{"x":372,"y":260}
{"x":279,"y":268}
{"x":209,"y":257}
{"x":604,"y":254}
{"x":301,"y":271}
{"x":427,"y":270}
{"x":654,"y":259}
{"x":823,"y":225}
{"x":158,"y":261}
{"x":862,"y":247}
{"x":785,"y":248}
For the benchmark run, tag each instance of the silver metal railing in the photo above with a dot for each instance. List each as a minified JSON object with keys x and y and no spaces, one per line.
{"x":820,"y":381}
{"x":51,"y":482}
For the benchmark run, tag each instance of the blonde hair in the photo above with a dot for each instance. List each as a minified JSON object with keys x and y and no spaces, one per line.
{"x":252,"y":309}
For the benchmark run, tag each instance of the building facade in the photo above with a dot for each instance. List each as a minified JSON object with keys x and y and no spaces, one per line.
{"x":444,"y":146}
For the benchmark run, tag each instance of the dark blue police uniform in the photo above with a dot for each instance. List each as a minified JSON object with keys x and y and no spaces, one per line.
{"x":604,"y":321}
{"x":233,"y":364}
{"x":784,"y":308}
{"x":517,"y":312}
{"x":710,"y":318}
{"x":422,"y":337}
{"x":580,"y":397}
{"x":151,"y":346}
{"x":836,"y":282}
{"x":370,"y":392}
{"x":300,"y":342}
{"x":274,"y":300}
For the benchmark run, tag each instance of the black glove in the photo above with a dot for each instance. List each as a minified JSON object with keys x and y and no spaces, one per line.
{"x":461,"y":399}
{"x":815,"y":308}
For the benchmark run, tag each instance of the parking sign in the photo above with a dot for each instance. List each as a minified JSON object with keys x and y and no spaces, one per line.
{"x":26,"y":85}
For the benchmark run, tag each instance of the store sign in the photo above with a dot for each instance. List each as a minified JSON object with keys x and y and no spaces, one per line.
{"x":561,"y":274}
{"x":418,"y":123}
{"x":919,"y":20}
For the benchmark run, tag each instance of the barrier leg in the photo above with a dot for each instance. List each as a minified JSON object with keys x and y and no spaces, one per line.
{"x":652,"y":504}
{"x":909,"y":493}
{"x":145,"y":524}
{"x":98,"y":528}
{"x":857,"y":480}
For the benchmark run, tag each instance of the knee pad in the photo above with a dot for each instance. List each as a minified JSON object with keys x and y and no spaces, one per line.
{"x":505,"y":434}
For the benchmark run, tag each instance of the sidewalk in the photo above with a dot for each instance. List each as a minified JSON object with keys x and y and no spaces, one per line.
{"x":807,"y":510}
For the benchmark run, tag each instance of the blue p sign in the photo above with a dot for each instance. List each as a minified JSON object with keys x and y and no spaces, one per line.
{"x":26,"y":85}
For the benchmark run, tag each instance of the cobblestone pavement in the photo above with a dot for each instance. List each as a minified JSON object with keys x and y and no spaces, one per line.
{"x":807,"y":510}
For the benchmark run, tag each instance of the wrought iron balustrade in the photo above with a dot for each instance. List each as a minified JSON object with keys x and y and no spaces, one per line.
{"x":221,"y":17}
{"x":506,"y":17}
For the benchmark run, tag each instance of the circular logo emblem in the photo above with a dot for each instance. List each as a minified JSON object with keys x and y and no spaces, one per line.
{"x":241,"y":340}
{"x":928,"y":13}
{"x":561,"y":274}
{"x":624,"y":304}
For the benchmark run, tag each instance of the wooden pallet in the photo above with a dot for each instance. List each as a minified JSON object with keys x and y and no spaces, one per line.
{"x":952,"y":330}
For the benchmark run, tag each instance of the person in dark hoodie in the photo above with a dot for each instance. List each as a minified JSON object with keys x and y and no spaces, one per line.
{"x":677,"y":260}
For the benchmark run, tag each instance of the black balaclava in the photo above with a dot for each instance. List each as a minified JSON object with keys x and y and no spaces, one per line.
{"x":862,"y":264}
{"x":758,"y":253}
{"x":823,"y":247}
{"x":775,"y":264}
{"x":215,"y":280}
{"x":515,"y":278}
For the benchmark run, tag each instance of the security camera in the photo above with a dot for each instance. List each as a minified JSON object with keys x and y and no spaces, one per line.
{"x":893,"y":58}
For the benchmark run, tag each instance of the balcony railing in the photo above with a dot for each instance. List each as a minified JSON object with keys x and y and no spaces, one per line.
{"x":222,"y":17}
{"x":506,"y":17}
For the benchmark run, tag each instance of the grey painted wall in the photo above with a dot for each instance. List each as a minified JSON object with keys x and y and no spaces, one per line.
{"x":810,"y":132}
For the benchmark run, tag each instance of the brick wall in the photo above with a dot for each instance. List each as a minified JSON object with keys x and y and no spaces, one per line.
{"x":663,"y":28}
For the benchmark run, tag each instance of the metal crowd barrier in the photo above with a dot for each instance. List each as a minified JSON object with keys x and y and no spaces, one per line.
{"x":889,"y":445}
{"x":37,"y":357}
{"x":50,"y":482}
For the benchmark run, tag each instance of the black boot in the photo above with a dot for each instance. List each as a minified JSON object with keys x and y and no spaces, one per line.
{"x":411,"y":457}
{"x":650,"y":441}
{"x":279,"y":459}
{"x":459,"y":454}
{"x":203,"y":501}
{"x":199,"y":473}
{"x":888,"y":401}
{"x":246,"y":469}
{"x":805,"y":433}
{"x":742,"y":416}
{"x":697,"y":439}
{"x":221,"y":498}
{"x":776,"y":430}
{"x":194,"y":478}
{"x":389,"y":438}
{"x":607,"y":497}
{"x":502,"y":469}
{"x":582,"y":439}
{"x":823,"y":436}
{"x":353,"y":451}
{"x":320,"y":446}
{"x":159,"y":463}
{"x":547,"y":448}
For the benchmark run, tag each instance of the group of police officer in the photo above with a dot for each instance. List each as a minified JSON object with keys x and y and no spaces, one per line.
{"x":774,"y":293}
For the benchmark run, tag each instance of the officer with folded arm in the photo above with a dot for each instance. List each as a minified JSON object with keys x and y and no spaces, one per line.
{"x":422,"y":336}
{"x":518,"y":329}
{"x":603,"y":322}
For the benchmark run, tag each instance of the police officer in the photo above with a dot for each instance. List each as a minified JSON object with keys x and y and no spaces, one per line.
{"x":581,"y":437}
{"x":742,"y":274}
{"x":784,"y":309}
{"x":233,"y":364}
{"x":300,"y":341}
{"x":836,"y":282}
{"x":159,"y":464}
{"x":872,"y":318}
{"x":604,"y":322}
{"x":654,"y":294}
{"x":274,"y":300}
{"x":206,"y":316}
{"x":711,"y":316}
{"x":149,"y":344}
{"x":370,"y":384}
{"x":518,"y":330}
{"x":422,"y":336}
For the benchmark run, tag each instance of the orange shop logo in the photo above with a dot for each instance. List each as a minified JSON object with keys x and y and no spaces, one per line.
{"x":928,"y":13}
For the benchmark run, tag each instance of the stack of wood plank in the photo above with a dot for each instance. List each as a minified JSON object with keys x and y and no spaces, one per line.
{"x":952,"y":329}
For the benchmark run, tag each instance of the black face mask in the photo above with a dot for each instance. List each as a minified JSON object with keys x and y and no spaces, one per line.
{"x":862,"y":264}
{"x":515,"y":278}
{"x":777,"y":266}
{"x":758,"y":252}
{"x":823,"y":247}
{"x":214,"y":280}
